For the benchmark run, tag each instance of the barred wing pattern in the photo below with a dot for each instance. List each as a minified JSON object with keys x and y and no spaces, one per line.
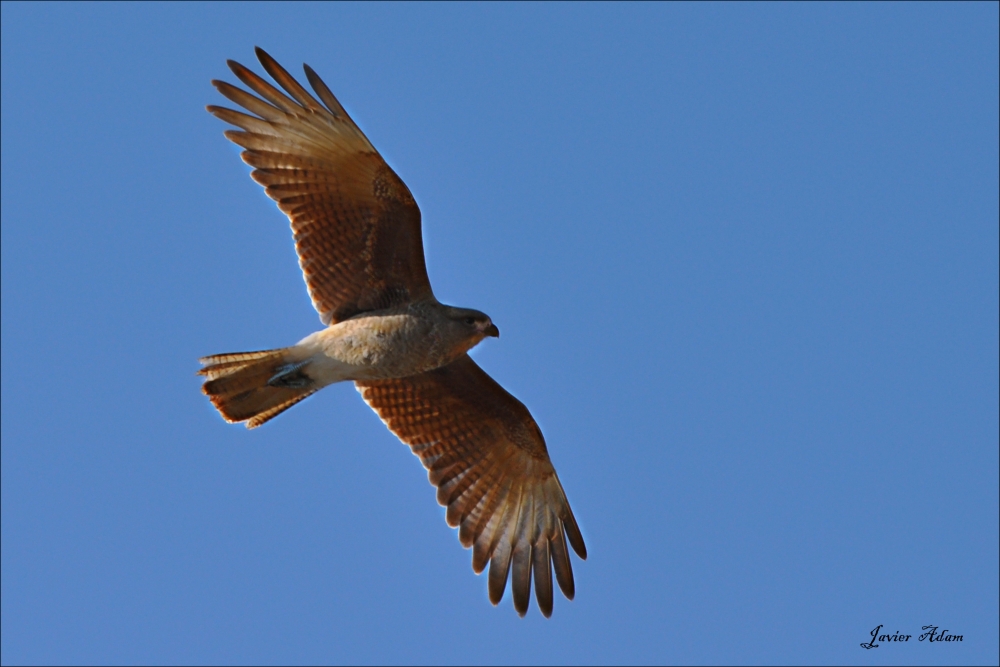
{"x":356,"y":225}
{"x":488,"y":459}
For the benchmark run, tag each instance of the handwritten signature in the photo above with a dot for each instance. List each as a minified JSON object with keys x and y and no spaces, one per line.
{"x":931,"y":634}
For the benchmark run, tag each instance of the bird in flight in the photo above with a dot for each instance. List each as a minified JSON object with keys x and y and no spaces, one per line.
{"x":357,"y":235}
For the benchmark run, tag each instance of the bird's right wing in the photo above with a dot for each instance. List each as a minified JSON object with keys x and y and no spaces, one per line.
{"x":488,"y":459}
{"x":356,"y":225}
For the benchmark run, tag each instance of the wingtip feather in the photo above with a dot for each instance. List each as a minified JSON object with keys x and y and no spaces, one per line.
{"x":328,"y":98}
{"x":573,"y":534}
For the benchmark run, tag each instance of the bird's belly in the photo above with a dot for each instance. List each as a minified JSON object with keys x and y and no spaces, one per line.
{"x":371,"y":348}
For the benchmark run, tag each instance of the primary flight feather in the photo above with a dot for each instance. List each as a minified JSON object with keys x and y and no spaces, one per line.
{"x":357,"y":235}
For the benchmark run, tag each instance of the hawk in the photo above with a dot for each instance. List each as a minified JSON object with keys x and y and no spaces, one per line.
{"x":357,"y":235}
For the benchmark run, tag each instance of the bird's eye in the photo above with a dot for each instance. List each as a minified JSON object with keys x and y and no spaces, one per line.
{"x":470,"y":320}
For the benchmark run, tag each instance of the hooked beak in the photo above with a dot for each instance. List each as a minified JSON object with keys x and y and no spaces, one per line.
{"x":491,"y":331}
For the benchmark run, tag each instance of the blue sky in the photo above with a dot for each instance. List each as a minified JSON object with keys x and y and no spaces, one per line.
{"x":745,"y":263}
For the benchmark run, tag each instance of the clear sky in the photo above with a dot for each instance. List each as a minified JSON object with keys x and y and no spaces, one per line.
{"x":745,"y":263}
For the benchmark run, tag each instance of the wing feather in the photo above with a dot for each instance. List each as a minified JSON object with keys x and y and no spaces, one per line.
{"x":486,"y":541}
{"x":520,"y":575}
{"x":561,"y":564}
{"x":542,"y":568}
{"x":250,"y":103}
{"x":500,"y":560}
{"x":355,"y":223}
{"x":262,"y":87}
{"x":286,"y":80}
{"x":488,"y":459}
{"x":324,"y":93}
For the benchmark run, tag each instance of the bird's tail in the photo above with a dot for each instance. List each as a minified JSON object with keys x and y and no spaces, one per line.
{"x":253,"y":387}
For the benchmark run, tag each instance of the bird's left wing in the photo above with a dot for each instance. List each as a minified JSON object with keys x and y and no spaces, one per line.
{"x":356,"y":225}
{"x":488,"y":459}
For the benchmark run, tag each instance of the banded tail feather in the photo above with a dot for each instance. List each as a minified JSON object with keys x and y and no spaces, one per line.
{"x":254,"y":387}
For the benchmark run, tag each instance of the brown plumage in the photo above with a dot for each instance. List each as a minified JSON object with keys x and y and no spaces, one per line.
{"x":357,"y":234}
{"x":356,"y":225}
{"x":243,"y":386}
{"x":488,"y":459}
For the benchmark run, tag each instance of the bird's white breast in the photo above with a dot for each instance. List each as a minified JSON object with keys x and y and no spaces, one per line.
{"x":370,"y":347}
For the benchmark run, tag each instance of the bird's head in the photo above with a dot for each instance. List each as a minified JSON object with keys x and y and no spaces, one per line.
{"x":470,"y":326}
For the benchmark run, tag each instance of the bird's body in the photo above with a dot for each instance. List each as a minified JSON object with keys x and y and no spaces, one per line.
{"x":376,"y":346}
{"x":383,"y":344}
{"x":357,"y":231}
{"x":393,"y":343}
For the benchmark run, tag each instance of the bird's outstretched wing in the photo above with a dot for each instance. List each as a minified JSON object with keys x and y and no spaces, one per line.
{"x":356,"y":225}
{"x":488,"y":459}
